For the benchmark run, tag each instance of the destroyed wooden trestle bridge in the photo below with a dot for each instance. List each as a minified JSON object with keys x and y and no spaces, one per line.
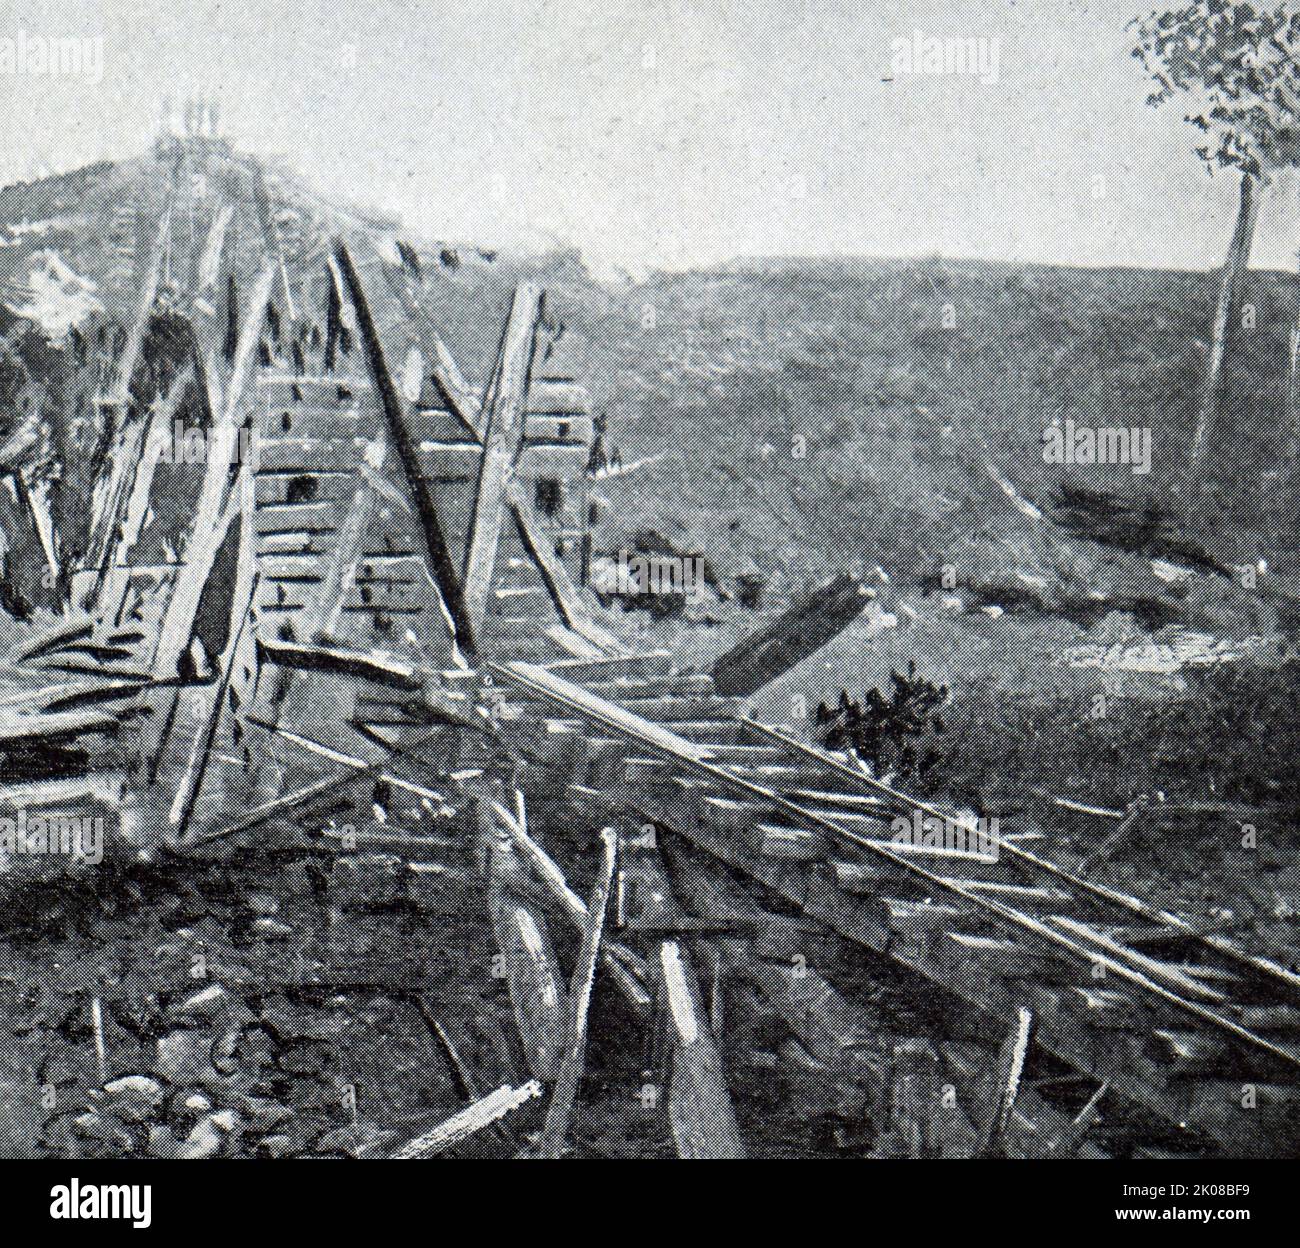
{"x":390,"y":596}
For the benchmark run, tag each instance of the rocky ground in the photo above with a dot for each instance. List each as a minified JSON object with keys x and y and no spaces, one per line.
{"x":261,"y":1009}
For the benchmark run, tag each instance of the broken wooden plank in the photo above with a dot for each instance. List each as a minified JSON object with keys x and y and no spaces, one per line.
{"x":1068,"y":1141}
{"x":325,"y":606}
{"x":527,"y":961}
{"x":556,"y":1127}
{"x":77,"y":629}
{"x":618,"y":960}
{"x":469,"y":1121}
{"x":503,"y":427}
{"x":380,"y":669}
{"x":15,"y":729}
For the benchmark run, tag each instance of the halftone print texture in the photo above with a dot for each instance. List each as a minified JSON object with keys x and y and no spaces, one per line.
{"x":712,"y":588}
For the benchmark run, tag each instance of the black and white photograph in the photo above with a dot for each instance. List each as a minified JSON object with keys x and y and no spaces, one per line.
{"x":650,"y":579}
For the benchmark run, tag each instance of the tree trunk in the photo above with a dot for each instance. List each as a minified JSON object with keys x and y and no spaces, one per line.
{"x":1232,"y":284}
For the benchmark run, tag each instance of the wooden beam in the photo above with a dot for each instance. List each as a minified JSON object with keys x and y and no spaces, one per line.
{"x":210,"y":259}
{"x":556,"y":1128}
{"x":124,"y":453}
{"x":1006,"y":1085}
{"x":617,"y":959}
{"x":461,"y":400}
{"x":805,"y":628}
{"x":241,"y":615}
{"x":37,"y":497}
{"x":699,"y":1104}
{"x":555,"y":576}
{"x":188,"y":791}
{"x":502,"y":429}
{"x":467,"y":408}
{"x":158,"y":434}
{"x":445,"y":571}
{"x":213,"y":520}
{"x":527,"y":958}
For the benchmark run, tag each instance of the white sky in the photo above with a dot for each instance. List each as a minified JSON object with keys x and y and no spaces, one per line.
{"x":669,"y":133}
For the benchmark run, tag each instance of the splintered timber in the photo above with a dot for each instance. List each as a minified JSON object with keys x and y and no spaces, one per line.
{"x":389,"y":769}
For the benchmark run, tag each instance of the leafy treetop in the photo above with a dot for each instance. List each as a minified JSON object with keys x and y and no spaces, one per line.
{"x":1240,"y":65}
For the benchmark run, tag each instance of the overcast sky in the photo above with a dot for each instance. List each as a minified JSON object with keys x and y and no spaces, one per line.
{"x":669,"y":133}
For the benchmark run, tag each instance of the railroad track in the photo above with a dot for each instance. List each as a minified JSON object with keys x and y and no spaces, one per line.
{"x":1177,"y":1018}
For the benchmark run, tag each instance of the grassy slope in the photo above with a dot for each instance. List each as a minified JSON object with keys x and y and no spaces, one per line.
{"x":901,"y":416}
{"x":714,"y":374}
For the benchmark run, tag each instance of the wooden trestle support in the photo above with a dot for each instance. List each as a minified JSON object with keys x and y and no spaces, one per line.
{"x":400,"y":611}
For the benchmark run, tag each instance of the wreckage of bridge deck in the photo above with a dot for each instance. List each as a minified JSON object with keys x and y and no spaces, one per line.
{"x":356,"y":584}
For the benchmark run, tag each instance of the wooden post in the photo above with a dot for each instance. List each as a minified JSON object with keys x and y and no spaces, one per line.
{"x":242,"y":605}
{"x":502,"y":429}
